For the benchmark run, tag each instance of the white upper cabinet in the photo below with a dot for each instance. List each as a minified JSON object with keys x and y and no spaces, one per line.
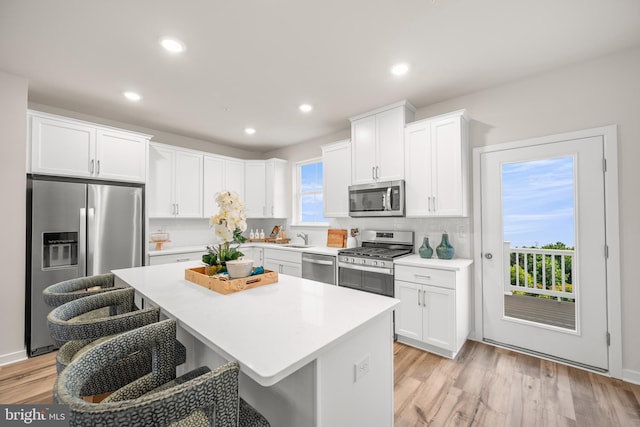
{"x":265,"y":195}
{"x":377,"y":143}
{"x":336,"y":176}
{"x":221,"y":174}
{"x":436,"y":166}
{"x":67,"y":147}
{"x":175,"y":182}
{"x":255,"y":172}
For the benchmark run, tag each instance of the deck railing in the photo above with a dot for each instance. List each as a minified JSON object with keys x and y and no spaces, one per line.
{"x":539,"y":271}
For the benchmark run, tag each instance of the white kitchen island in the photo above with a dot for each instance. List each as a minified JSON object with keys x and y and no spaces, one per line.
{"x":310,"y":354}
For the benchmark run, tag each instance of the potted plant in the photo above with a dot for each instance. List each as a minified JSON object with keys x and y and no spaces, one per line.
{"x":228,"y":225}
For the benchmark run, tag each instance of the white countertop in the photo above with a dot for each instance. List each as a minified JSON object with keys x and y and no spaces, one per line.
{"x":323,"y":250}
{"x":271,"y":330}
{"x":415,"y":260}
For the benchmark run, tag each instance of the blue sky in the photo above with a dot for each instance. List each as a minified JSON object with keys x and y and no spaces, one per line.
{"x":538,"y":202}
{"x":311,"y":183}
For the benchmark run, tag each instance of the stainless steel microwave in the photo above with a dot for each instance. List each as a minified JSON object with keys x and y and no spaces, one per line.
{"x":377,"y":199}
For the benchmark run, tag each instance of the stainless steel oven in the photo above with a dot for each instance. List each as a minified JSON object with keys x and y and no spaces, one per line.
{"x":377,"y":199}
{"x":370,"y":267}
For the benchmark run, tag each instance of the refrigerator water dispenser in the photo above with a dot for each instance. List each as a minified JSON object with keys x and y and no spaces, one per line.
{"x":59,"y":249}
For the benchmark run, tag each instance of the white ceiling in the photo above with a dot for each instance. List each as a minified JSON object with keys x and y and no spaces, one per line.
{"x":260,"y":59}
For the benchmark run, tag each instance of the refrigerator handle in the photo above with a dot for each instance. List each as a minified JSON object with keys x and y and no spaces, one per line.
{"x":92,"y":239}
{"x":82,"y":240}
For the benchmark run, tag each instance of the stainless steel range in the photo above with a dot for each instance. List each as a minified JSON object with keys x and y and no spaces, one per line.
{"x":370,"y":266}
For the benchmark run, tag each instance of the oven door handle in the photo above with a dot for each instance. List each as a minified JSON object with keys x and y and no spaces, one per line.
{"x":388,"y":203}
{"x":316,"y":261}
{"x":387,"y":271}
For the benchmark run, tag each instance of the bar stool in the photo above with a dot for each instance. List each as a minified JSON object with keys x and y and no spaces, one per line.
{"x":200,"y":398}
{"x":69,"y":324}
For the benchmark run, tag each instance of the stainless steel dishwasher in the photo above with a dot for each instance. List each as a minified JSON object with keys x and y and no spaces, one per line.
{"x":321,"y":268}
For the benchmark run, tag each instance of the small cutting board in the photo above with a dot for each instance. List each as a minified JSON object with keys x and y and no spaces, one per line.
{"x":336,"y":238}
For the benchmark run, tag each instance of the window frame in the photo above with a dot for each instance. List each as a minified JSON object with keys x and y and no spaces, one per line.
{"x":297,"y":194}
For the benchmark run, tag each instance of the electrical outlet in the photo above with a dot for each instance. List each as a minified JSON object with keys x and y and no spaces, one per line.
{"x":362,"y":367}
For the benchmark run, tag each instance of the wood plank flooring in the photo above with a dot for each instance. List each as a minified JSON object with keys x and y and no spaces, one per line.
{"x":484,"y":386}
{"x":490,"y":386}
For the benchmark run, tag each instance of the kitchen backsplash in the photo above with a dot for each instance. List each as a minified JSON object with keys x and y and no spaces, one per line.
{"x":196,"y":232}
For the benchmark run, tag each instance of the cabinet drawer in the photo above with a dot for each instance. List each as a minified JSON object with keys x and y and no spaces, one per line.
{"x":426,"y":276}
{"x":283,"y":255}
{"x":181,"y":257}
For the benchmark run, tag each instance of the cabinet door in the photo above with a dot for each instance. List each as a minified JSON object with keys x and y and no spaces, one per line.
{"x":390,"y":145}
{"x":417,"y":151}
{"x":439,"y":317}
{"x":409,"y":311}
{"x":188,"y":184}
{"x":213,"y":183}
{"x":234,"y":177}
{"x":336,"y":175}
{"x":120,"y":156}
{"x":62,"y":148}
{"x":447,"y":167}
{"x":255,"y":188}
{"x":276,"y":199}
{"x":363,"y":150}
{"x":160,"y":188}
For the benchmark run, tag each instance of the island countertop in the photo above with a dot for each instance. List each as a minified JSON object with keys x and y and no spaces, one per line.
{"x":271,"y":330}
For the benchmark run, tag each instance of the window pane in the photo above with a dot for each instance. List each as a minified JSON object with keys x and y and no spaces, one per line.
{"x":311,"y":177}
{"x":311,"y":208}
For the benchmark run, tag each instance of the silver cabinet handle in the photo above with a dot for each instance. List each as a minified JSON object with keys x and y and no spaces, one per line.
{"x":182,"y":259}
{"x":424,"y":301}
{"x":92,"y":167}
{"x":98,"y":167}
{"x":419,"y":291}
{"x":373,"y":172}
{"x":435,"y":208}
{"x":317,"y":261}
{"x":419,"y":276}
{"x":177,"y":208}
{"x":377,"y":172}
{"x":429,"y":203}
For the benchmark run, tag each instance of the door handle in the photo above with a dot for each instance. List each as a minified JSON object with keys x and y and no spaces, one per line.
{"x":488,"y":255}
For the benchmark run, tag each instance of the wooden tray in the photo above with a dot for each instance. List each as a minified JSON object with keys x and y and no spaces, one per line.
{"x":271,"y":240}
{"x":228,"y":286}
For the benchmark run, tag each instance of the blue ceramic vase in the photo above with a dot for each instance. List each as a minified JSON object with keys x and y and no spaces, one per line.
{"x":444,"y":249}
{"x":425,"y":250}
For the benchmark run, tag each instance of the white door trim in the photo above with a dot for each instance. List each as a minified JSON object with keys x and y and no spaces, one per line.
{"x":612,"y":230}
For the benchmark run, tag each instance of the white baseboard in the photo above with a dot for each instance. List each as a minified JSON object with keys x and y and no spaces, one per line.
{"x":16,"y":356}
{"x":631,"y":376}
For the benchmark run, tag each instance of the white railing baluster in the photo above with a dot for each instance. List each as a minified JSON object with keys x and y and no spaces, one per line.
{"x":529,"y":257}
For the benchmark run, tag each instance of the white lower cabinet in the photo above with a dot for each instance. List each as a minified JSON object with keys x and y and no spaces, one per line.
{"x":283,"y":261}
{"x":178,"y":257}
{"x":256,"y":254}
{"x":434,"y":308}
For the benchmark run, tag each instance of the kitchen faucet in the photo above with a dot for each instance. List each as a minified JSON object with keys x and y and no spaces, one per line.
{"x":304,"y":237}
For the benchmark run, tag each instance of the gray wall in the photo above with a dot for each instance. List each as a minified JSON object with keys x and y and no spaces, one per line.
{"x":13,"y":183}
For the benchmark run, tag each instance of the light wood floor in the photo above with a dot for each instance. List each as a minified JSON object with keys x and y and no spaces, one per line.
{"x":484,"y":386}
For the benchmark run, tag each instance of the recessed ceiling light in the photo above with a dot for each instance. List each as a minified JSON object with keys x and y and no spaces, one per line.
{"x":132,"y":96}
{"x":305,"y":108}
{"x":249,"y":131}
{"x":400,"y":69}
{"x":172,"y":45}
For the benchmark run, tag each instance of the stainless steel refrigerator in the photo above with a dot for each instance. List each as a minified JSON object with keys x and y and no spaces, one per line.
{"x":76,"y":229}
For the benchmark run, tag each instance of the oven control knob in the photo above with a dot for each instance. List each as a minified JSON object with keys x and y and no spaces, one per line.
{"x":364,"y":261}
{"x":375,"y":262}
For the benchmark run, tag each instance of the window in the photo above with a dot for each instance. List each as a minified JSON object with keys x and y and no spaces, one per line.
{"x":308,"y":198}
